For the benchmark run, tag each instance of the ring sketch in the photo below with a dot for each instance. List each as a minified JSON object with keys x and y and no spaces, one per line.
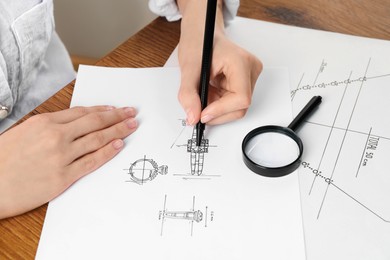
{"x":192,"y":215}
{"x":197,"y":155}
{"x":201,"y":218}
{"x":145,"y":170}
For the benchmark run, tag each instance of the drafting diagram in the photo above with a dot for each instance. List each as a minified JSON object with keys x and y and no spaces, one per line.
{"x":197,"y":154}
{"x":186,"y":218}
{"x":344,"y":176}
{"x":144,"y":170}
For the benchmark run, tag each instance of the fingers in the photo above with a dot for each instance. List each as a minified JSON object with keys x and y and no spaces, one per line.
{"x":71,"y":114}
{"x":234,"y":73}
{"x":93,"y":161}
{"x":190,"y":101}
{"x":231,"y":97}
{"x":228,"y":100}
{"x":95,"y":140}
{"x":92,"y":122}
{"x":229,"y":117}
{"x":233,"y":82}
{"x":229,"y":107}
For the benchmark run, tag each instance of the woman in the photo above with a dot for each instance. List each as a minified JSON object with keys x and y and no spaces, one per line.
{"x":43,"y":156}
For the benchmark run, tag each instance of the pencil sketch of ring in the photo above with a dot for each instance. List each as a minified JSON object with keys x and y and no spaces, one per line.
{"x":144,"y":170}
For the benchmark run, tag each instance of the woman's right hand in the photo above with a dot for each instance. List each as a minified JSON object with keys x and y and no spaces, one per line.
{"x":43,"y":156}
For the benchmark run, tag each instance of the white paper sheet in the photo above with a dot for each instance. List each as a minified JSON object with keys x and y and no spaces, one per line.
{"x":111,"y":214}
{"x":345,"y":182}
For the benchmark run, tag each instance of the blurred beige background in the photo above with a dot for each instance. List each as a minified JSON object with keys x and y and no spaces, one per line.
{"x":92,"y":28}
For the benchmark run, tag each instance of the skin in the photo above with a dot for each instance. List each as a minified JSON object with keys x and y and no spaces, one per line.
{"x":234,"y":71}
{"x":43,"y":156}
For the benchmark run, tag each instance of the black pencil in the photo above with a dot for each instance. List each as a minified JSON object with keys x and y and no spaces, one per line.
{"x":206,"y":63}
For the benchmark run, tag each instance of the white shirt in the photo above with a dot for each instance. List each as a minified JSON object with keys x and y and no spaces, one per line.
{"x":34,"y":63}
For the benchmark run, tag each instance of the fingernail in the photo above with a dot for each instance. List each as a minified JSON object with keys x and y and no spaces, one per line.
{"x":213,"y":83}
{"x":110,"y":107}
{"x":206,"y":118}
{"x":130,"y":111}
{"x":190,"y":118}
{"x":131,"y":123}
{"x":118,"y":144}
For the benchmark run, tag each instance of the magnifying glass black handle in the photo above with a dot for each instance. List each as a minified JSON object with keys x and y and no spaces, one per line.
{"x":305,"y":112}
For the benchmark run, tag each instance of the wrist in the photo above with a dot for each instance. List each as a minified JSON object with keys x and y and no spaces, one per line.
{"x":194,"y":14}
{"x":192,"y":29}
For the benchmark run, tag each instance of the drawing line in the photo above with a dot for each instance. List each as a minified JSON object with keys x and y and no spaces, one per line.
{"x":164,"y":208}
{"x":194,"y":178}
{"x":379,"y":76}
{"x":295,"y":91}
{"x":315,"y":80}
{"x":342,"y":143}
{"x":177,"y":138}
{"x":205,"y":175}
{"x":376,"y":214}
{"x":193,"y":209}
{"x":349,"y":130}
{"x":330,"y":181}
{"x":143,"y":170}
{"x":318,"y":72}
{"x":333,"y":84}
{"x":331,"y":131}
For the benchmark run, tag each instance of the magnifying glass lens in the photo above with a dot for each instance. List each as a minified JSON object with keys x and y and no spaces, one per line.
{"x":275,"y":151}
{"x":272,"y":149}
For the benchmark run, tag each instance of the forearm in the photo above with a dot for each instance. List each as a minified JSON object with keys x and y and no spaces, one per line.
{"x":192,"y":30}
{"x":194,"y":13}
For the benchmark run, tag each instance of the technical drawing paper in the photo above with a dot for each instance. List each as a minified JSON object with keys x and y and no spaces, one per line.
{"x":148,"y":203}
{"x":344,"y":177}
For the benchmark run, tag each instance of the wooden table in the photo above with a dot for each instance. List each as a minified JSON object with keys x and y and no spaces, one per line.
{"x":19,"y":236}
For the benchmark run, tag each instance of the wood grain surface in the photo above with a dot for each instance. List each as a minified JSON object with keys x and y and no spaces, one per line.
{"x":150,"y":47}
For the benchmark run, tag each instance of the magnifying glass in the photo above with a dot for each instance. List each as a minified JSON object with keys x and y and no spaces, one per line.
{"x":275,"y":151}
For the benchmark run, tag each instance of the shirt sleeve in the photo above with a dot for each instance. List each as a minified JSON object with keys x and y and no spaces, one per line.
{"x":6,"y":99}
{"x":169,"y":9}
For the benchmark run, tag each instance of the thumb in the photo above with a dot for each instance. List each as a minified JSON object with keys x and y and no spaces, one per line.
{"x":190,"y":101}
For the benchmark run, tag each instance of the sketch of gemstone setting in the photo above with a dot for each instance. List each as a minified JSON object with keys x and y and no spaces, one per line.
{"x":193,"y":215}
{"x":145,"y":170}
{"x":202,"y":218}
{"x":197,"y":153}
